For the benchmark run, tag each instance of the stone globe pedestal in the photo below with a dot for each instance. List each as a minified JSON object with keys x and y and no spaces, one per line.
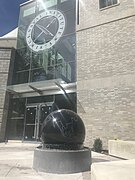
{"x":62,"y":149}
{"x":61,"y":161}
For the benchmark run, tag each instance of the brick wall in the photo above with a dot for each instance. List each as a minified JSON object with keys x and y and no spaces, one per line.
{"x":91,"y":15}
{"x":106,"y":76}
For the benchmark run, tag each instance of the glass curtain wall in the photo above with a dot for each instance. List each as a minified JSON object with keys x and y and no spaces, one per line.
{"x":46,"y":50}
{"x":46,"y":45}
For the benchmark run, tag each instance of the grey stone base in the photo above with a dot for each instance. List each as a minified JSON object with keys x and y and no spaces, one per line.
{"x":62,"y":161}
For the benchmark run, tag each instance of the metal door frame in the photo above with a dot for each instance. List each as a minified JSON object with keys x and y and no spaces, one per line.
{"x":25,"y":123}
{"x":37,"y":118}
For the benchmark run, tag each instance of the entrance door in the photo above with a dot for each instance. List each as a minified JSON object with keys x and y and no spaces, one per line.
{"x":35,"y":115}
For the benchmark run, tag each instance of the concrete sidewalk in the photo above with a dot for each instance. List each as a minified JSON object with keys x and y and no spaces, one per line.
{"x":16,"y":159}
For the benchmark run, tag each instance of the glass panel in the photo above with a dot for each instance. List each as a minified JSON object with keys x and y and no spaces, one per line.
{"x":66,"y":5}
{"x":58,"y":69}
{"x":102,"y":3}
{"x":115,"y":1}
{"x":66,"y":101}
{"x":38,"y":75}
{"x":70,"y":17}
{"x":21,"y":77}
{"x":47,"y":4}
{"x":71,"y":67}
{"x":67,"y":47}
{"x":30,"y":115}
{"x":17,"y":107}
{"x":27,"y":14}
{"x":44,"y":111}
{"x":109,"y":2}
{"x":16,"y":118}
{"x":40,"y":99}
{"x":15,"y":129}
{"x":29,"y":132}
{"x":39,"y":60}
{"x":22,"y":59}
{"x":105,"y":3}
{"x":30,"y":127}
{"x":66,"y":58}
{"x":46,"y":41}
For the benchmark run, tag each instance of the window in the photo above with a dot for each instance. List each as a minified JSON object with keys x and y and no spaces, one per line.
{"x":106,"y":3}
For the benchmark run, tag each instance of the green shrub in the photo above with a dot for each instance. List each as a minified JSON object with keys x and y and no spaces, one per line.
{"x":97,"y":146}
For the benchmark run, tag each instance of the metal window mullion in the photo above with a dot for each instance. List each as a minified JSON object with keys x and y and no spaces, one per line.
{"x":77,"y":12}
{"x":24,"y":128}
{"x":38,"y":120}
{"x":35,"y":128}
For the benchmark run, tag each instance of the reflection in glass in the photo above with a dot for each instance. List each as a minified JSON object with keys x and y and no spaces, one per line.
{"x":15,"y":129}
{"x":30,"y":115}
{"x":38,"y":75}
{"x":17,"y":106}
{"x":57,"y":61}
{"x":25,"y":113}
{"x":22,"y":59}
{"x":39,"y":59}
{"x":16,"y":118}
{"x":21,"y":77}
{"x":29,"y":132}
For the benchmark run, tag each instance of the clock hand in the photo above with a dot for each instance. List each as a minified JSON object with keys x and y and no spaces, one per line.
{"x":44,"y":30}
{"x":49,"y":32}
{"x":51,"y":22}
{"x":38,"y":36}
{"x":41,"y":28}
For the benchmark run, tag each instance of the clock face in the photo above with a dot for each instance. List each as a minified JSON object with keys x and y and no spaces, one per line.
{"x":45,"y":30}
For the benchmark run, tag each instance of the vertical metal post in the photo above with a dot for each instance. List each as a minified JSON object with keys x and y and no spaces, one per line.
{"x":24,"y":120}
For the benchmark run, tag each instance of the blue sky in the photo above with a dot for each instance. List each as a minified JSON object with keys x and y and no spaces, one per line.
{"x":9,"y":14}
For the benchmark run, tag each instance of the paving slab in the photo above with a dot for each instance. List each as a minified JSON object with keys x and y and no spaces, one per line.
{"x":47,"y":176}
{"x":16,"y":161}
{"x":22,"y":178}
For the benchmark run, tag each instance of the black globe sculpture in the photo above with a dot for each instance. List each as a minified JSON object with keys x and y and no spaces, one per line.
{"x":63,"y":129}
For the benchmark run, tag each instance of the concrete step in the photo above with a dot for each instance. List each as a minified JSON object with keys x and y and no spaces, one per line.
{"x":116,"y":170}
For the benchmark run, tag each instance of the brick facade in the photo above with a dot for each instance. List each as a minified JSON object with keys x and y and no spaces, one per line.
{"x":106,"y":71}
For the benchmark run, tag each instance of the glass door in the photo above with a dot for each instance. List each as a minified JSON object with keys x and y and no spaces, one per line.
{"x":30,"y":129}
{"x":35,"y":115}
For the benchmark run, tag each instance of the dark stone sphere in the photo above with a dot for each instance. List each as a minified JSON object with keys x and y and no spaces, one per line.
{"x":63,"y":129}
